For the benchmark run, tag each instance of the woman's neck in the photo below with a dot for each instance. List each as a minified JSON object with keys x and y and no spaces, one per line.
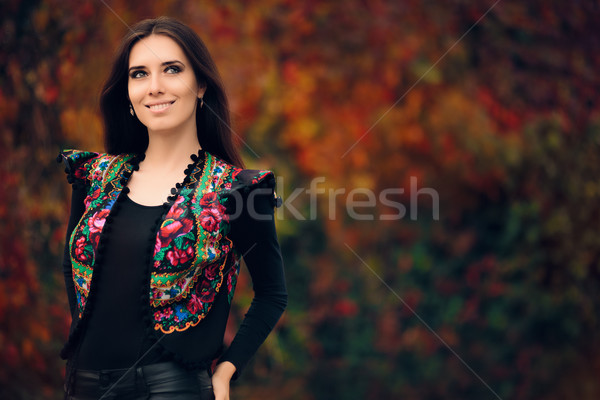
{"x":170,"y":152}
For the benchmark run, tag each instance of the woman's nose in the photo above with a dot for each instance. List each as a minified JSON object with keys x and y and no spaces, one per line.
{"x":156,"y":85}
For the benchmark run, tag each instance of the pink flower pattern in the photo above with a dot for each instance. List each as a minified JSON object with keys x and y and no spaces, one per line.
{"x":180,"y":256}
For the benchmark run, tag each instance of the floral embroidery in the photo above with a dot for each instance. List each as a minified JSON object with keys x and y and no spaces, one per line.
{"x":194,"y":304}
{"x":95,"y":225}
{"x":179,"y":256}
{"x":232,"y":280}
{"x":210,"y":219}
{"x":91,"y":168}
{"x":172,"y":229}
{"x":82,"y":253}
{"x":192,"y":257}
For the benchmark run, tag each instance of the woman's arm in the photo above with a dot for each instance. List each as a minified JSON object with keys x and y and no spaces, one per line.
{"x":77,"y":209}
{"x":256,"y":239}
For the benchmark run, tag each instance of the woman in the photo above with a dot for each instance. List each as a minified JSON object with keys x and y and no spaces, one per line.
{"x":155,"y":234}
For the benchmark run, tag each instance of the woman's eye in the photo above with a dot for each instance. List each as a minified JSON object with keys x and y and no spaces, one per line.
{"x":172,"y":69}
{"x":137,"y":74}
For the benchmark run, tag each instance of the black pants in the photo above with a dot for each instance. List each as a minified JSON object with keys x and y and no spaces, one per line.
{"x":160,"y":381}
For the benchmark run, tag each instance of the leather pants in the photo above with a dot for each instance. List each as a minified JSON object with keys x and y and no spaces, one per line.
{"x":159,"y":381}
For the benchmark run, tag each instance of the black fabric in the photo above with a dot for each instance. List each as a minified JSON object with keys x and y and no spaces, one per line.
{"x":115,"y":338}
{"x":115,"y":331}
{"x":160,"y":381}
{"x":77,"y":208}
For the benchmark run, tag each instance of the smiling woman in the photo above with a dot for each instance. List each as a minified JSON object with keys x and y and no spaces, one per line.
{"x":162,"y":87}
{"x":157,"y":229}
{"x":164,"y":95}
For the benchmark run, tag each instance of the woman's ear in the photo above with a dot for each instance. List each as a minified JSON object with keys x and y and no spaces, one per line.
{"x":201,"y":90}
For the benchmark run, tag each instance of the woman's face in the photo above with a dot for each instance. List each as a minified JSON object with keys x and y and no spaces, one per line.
{"x":162,"y":86}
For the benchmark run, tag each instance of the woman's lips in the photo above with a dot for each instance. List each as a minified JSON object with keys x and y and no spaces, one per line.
{"x":158,"y":107}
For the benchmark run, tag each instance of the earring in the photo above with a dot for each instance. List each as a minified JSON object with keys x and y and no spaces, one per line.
{"x":201,"y":101}
{"x":131,"y":110}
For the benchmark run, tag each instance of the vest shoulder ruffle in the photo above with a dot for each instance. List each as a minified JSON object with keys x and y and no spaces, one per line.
{"x":82,"y":167}
{"x":248,"y":180}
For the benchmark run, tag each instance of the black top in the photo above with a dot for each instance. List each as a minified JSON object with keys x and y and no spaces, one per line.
{"x":115,"y":335}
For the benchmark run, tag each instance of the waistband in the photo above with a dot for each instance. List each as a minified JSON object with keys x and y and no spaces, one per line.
{"x":113,"y":383}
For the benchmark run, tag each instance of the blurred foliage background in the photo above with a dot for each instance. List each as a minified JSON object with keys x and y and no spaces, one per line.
{"x":498,"y":298}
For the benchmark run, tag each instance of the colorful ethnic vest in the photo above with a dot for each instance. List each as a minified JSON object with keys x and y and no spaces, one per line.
{"x":191,"y":257}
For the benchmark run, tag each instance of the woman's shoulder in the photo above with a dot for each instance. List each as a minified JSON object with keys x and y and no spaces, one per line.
{"x":242,"y":177}
{"x":82,"y":165}
{"x":248,"y":180}
{"x":244,"y":180}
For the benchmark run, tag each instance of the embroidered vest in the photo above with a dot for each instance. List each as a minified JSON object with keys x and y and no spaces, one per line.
{"x":190,"y":259}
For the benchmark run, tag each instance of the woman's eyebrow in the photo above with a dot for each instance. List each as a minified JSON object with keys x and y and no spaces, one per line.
{"x":166,"y":63}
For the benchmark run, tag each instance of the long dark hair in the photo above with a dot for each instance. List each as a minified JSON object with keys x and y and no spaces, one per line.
{"x":126,"y":134}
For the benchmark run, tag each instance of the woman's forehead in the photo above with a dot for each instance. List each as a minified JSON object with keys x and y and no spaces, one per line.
{"x":155,"y":49}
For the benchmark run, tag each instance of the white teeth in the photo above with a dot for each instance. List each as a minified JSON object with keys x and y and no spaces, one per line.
{"x":162,"y":106}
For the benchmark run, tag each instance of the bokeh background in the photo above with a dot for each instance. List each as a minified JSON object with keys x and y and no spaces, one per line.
{"x":501,"y":119}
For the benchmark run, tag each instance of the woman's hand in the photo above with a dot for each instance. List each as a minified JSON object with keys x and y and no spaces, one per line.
{"x":221,"y":378}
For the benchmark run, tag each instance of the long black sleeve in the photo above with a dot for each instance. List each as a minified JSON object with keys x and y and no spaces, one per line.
{"x":77,"y":209}
{"x":256,"y":239}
